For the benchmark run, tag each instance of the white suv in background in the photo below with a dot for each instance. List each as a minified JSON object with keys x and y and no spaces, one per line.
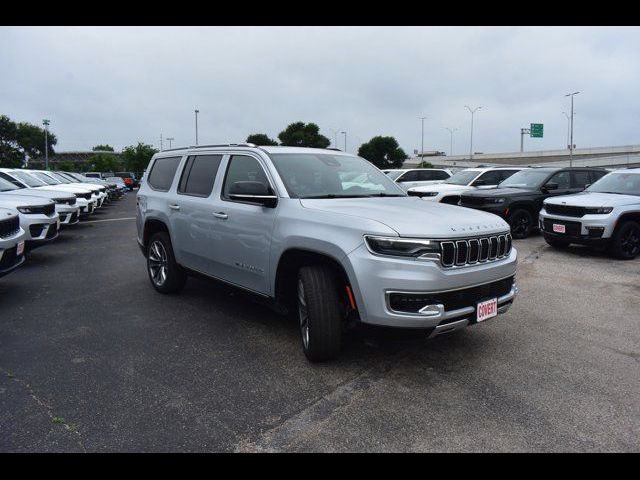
{"x":450,"y":190}
{"x":417,"y":177}
{"x":11,"y":242}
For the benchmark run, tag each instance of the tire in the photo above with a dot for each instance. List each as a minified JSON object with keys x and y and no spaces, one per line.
{"x":521,"y":223}
{"x":319,"y":313}
{"x":625,"y":243}
{"x":556,"y":242}
{"x":160,"y":259}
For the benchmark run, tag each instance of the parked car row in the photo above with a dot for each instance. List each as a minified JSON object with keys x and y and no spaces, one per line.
{"x":36,"y":204}
{"x":581,"y":205}
{"x":130,"y":179}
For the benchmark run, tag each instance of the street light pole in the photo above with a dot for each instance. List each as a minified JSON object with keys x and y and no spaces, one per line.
{"x":451,"y":130}
{"x":197,"y":111}
{"x":345,"y":140}
{"x":571,"y":139}
{"x":422,"y":144}
{"x":170,"y":139}
{"x":45,"y":122}
{"x":161,"y":142}
{"x":568,"y":126}
{"x":471,"y":111}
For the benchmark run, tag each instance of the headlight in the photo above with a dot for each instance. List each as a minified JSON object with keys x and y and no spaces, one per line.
{"x":403,"y":247}
{"x":598,"y":210}
{"x":429,"y":194}
{"x":25,"y":210}
{"x":495,"y":201}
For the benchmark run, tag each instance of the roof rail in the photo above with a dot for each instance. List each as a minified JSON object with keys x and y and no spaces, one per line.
{"x":211,"y":146}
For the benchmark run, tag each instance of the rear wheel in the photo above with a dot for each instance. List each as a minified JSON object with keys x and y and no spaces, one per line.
{"x":625,"y":243}
{"x":521,"y":223}
{"x":165,"y":274}
{"x":319,"y":313}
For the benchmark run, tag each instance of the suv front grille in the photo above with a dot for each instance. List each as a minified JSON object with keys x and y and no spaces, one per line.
{"x":474,"y":250}
{"x":472,"y":201}
{"x":452,"y":300}
{"x":86,"y":196}
{"x":9,"y":227}
{"x":565,"y":210}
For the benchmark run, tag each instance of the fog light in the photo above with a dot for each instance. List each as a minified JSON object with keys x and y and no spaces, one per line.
{"x":595,"y":232}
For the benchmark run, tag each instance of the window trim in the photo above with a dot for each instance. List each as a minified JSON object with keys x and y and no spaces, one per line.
{"x":190,"y":166}
{"x":226,"y":173}
{"x":181,"y":157}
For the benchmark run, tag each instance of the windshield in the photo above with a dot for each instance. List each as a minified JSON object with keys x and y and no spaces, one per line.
{"x":318,"y":175}
{"x":29,"y":180}
{"x":526,"y":179}
{"x":7,"y":186}
{"x":393,"y":174}
{"x":59,"y":177}
{"x":622,"y":183}
{"x":45,"y":178}
{"x":464,"y":177}
{"x":68,"y":177}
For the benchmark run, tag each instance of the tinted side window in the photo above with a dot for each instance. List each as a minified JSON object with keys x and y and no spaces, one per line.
{"x":162,"y":173}
{"x":243,"y":169}
{"x":411,"y":176}
{"x":432,"y":175}
{"x":597,"y":175}
{"x":562,"y":179}
{"x":579,"y":179}
{"x":506,"y":174}
{"x":199,"y":174}
{"x":489,"y":178}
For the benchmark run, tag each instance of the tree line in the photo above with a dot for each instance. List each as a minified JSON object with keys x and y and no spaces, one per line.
{"x":22,"y":141}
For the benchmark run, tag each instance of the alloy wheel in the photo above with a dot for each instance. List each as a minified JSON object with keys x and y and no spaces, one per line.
{"x":158,"y":263}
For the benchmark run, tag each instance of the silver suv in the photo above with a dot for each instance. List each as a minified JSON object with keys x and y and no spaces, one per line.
{"x":324,"y":234}
{"x":606,"y":214}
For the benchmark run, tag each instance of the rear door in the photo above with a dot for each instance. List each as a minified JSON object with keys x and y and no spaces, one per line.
{"x":194,"y":227}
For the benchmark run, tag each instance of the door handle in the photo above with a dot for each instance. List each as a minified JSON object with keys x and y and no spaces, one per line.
{"x":174,"y":207}
{"x":221,"y":215}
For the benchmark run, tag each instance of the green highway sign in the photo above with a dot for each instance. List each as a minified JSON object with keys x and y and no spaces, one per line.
{"x":537,"y":130}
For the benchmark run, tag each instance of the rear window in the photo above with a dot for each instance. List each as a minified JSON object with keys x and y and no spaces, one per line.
{"x":162,"y":173}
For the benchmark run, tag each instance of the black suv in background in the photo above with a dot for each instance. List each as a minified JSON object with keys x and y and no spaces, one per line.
{"x":518,"y":199}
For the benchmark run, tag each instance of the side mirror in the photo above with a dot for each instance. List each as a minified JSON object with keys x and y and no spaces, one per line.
{"x":253,"y":192}
{"x":550,"y":186}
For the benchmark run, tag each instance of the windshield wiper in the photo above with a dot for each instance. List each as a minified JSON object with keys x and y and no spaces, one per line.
{"x":382,"y":194}
{"x":332,"y":195}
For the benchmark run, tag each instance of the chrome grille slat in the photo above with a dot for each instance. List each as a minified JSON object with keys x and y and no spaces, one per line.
{"x":461,"y":252}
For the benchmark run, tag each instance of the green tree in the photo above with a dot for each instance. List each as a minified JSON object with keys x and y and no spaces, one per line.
{"x":136,"y":158}
{"x":299,"y":134}
{"x":17,"y":140}
{"x":261,"y":139}
{"x":66,"y":166}
{"x":103,"y":148}
{"x":383,"y":152}
{"x":425,"y":164}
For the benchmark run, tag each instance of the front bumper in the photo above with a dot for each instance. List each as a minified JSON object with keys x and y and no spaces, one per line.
{"x":585,"y":230}
{"x":9,"y":259}
{"x":69,"y":215}
{"x":379,"y":277}
{"x":87,"y":209}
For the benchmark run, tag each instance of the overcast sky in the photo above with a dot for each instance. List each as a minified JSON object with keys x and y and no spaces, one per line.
{"x":126,"y":84}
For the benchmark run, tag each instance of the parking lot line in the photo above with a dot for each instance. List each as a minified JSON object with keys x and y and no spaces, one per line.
{"x":110,"y":220}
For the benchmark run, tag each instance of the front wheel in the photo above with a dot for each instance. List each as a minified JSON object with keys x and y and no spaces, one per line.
{"x":521,"y":223}
{"x":319,"y":313}
{"x":625,"y":243}
{"x":165,"y":274}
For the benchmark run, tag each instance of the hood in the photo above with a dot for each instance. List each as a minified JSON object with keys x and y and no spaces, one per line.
{"x":442,"y":187}
{"x":501,"y":192}
{"x":49,"y":194}
{"x":65,"y":188}
{"x":413,"y":217}
{"x":12,"y":201}
{"x":594,"y":199}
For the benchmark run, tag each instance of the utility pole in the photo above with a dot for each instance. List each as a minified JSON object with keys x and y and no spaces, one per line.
{"x":422,"y":144}
{"x":345,"y":140}
{"x":197,"y":111}
{"x":523,"y":132}
{"x":451,"y":130}
{"x":471,"y":111}
{"x":45,"y":122}
{"x":160,"y":142}
{"x":170,"y":139}
{"x":571,"y":139}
